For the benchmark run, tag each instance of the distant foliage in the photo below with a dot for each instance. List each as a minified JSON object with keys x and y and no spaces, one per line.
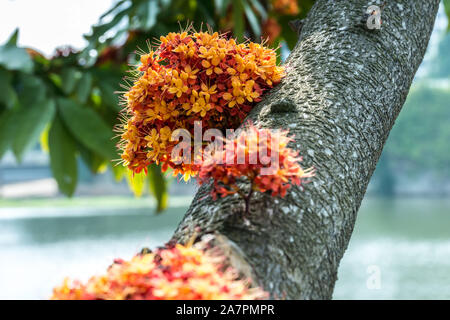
{"x":68,"y":101}
{"x":447,"y":11}
{"x":440,"y":68}
{"x":420,"y":138}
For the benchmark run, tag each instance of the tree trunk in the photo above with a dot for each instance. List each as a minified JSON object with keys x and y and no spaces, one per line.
{"x":344,"y":88}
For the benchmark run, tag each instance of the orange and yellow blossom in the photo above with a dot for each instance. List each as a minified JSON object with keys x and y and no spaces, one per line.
{"x":175,"y":272}
{"x":192,"y":76}
{"x":282,"y":171}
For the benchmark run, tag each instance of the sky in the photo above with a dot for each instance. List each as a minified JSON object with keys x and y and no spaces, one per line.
{"x":47,"y":24}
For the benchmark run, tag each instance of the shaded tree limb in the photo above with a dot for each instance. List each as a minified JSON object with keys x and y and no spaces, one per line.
{"x":344,"y":88}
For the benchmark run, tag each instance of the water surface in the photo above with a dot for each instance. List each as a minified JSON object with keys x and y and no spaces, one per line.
{"x":404,"y":243}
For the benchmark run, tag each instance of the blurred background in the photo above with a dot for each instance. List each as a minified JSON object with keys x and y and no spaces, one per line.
{"x":67,"y":210}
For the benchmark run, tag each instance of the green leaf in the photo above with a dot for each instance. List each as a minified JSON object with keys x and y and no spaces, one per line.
{"x":8,"y":96}
{"x":155,"y":181}
{"x":118,"y":171}
{"x":84,"y":87}
{"x":88,"y":127}
{"x":109,"y":97}
{"x":68,"y":79}
{"x":33,"y":120}
{"x":14,"y":58}
{"x":221,"y":6}
{"x":260,"y":9}
{"x":136,"y":181}
{"x":31,"y":89}
{"x":158,"y":187}
{"x":117,"y":5}
{"x":148,"y":11}
{"x":13,"y":38}
{"x":238,"y":19}
{"x":252,"y":19}
{"x":447,"y":12}
{"x":101,"y":29}
{"x":289,"y":36}
{"x":63,"y":160}
{"x":43,"y":139}
{"x":94,"y":161}
{"x":205,"y":13}
{"x":7,"y":132}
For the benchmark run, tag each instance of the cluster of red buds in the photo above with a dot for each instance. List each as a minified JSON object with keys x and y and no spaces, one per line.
{"x":175,"y":272}
{"x":262,"y":157}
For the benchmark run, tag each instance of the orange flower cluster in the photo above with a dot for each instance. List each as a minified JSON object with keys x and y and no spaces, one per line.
{"x":289,"y":7}
{"x":253,"y":151}
{"x":172,"y":273}
{"x":192,"y":76}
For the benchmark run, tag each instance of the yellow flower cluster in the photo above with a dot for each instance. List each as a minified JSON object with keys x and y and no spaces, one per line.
{"x":192,"y":76}
{"x":172,"y":273}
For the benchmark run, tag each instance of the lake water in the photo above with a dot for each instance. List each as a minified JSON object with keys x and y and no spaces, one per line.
{"x":400,"y":248}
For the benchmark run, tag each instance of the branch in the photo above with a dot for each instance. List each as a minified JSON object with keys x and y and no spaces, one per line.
{"x":344,"y":88}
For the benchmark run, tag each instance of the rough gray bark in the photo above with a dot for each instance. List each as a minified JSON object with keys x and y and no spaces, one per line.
{"x":344,"y":89}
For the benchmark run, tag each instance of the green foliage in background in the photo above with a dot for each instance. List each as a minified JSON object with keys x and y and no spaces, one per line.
{"x":441,"y":67}
{"x":447,"y":11}
{"x":419,"y":141}
{"x":69,"y":101}
{"x":420,"y":138}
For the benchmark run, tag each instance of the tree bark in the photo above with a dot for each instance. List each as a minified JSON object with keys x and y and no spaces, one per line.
{"x":344,"y":88}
